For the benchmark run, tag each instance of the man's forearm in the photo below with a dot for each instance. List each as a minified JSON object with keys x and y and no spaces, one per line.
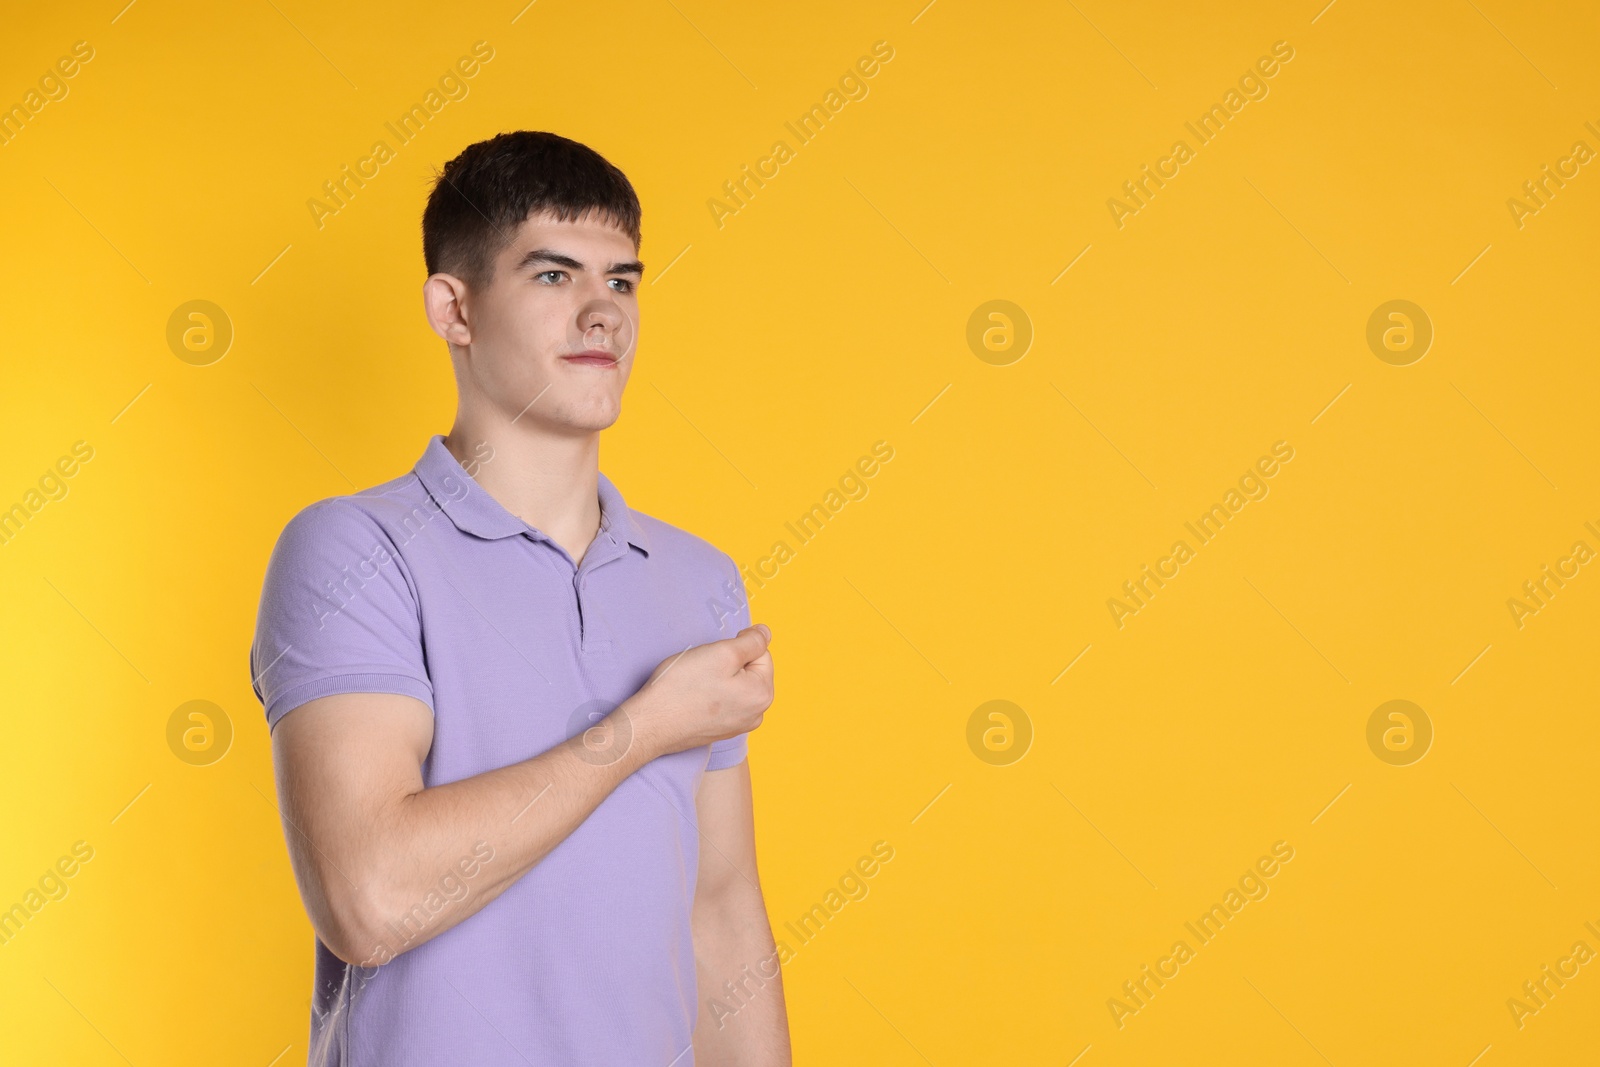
{"x":426,"y":841}
{"x":374,"y":849}
{"x":743,"y":1021}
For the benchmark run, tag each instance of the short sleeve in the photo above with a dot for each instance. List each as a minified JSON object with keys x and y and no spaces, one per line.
{"x":338,"y":614}
{"x":731,"y":750}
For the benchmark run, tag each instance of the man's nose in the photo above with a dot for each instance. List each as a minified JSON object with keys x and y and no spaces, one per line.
{"x":603,"y":313}
{"x":599,"y":311}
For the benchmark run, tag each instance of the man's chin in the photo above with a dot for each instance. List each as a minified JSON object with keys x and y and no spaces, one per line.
{"x":584,"y":420}
{"x":565,"y":415}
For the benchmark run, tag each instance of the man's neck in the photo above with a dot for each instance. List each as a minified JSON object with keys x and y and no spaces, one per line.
{"x":550,"y":482}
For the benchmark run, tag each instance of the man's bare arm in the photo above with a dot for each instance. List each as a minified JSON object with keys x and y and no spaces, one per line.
{"x":368,"y":842}
{"x":743,"y":1021}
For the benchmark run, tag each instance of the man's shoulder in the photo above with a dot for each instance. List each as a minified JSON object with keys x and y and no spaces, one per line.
{"x":677,"y":546}
{"x":378,"y":509}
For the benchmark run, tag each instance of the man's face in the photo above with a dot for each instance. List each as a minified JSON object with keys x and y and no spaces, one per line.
{"x":559,"y":290}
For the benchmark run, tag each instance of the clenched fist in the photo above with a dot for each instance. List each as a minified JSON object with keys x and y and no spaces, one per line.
{"x":704,"y":694}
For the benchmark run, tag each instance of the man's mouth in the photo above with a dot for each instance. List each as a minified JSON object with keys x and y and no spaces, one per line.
{"x":593,"y":358}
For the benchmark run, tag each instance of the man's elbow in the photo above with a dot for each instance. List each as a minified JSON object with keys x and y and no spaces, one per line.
{"x":361,"y":930}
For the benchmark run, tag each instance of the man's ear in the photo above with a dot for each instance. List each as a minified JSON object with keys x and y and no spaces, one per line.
{"x":444,"y":297}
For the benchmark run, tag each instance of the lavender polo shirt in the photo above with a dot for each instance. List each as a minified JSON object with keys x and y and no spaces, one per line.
{"x":426,"y":586}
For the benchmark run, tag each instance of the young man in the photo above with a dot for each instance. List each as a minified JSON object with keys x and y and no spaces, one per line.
{"x":509,"y":713}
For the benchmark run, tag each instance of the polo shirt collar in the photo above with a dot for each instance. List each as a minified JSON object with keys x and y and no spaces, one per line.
{"x":475,"y":512}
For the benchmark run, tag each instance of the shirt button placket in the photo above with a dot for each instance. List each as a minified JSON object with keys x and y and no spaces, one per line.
{"x":579,"y":581}
{"x":592,"y":638}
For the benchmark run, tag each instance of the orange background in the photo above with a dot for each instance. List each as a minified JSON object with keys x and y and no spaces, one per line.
{"x":829,"y":312}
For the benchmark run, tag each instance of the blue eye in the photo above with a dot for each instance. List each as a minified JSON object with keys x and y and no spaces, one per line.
{"x":627,"y":285}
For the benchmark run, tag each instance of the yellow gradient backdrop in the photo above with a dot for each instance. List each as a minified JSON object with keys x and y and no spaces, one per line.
{"x":1175,"y":341}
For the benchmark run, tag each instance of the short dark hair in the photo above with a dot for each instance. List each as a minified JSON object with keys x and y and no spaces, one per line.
{"x":483,"y":194}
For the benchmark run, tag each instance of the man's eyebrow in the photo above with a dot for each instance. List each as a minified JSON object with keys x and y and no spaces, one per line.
{"x":561,"y":259}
